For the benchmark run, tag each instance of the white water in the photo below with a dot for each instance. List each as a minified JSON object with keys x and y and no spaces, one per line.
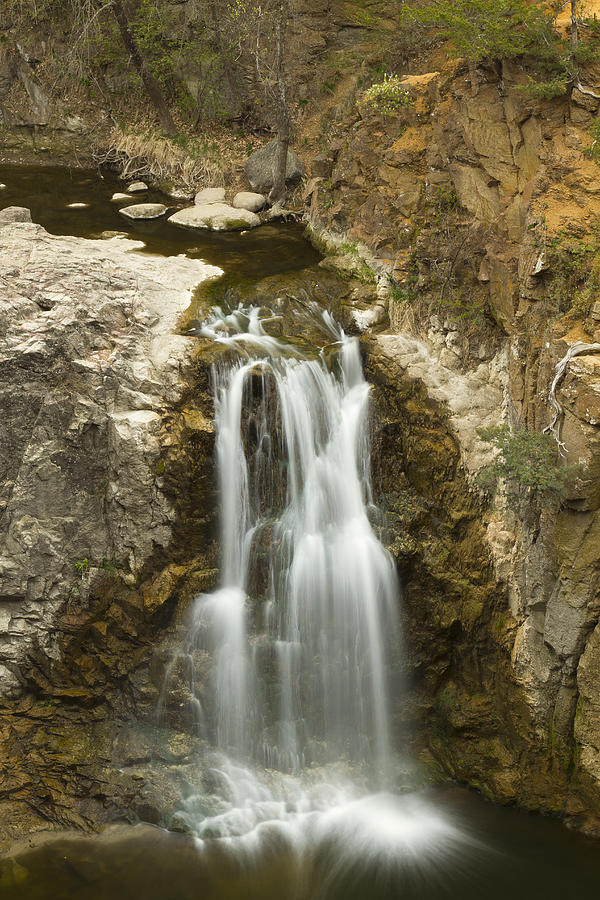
{"x":295,"y":643}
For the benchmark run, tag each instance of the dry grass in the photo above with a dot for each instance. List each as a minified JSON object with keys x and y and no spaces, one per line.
{"x":162,"y":160}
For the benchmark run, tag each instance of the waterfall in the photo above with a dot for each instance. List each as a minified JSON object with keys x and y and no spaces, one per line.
{"x":296,"y":640}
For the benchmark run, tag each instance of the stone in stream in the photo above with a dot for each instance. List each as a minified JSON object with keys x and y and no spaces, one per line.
{"x":137,"y":186}
{"x":77,"y":205}
{"x":249,"y":200}
{"x":209,"y":195}
{"x":260,"y":168}
{"x":2,"y":187}
{"x":144,"y":211}
{"x":215,"y":217}
{"x":14,"y":214}
{"x":120,"y":196}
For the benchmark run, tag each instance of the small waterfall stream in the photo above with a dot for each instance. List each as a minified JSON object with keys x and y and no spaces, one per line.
{"x":289,"y":658}
{"x":292,"y":430}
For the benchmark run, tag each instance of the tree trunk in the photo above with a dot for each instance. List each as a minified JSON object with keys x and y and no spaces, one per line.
{"x":282,"y":116}
{"x":224,"y":56}
{"x":150,"y":83}
{"x":574,"y":30}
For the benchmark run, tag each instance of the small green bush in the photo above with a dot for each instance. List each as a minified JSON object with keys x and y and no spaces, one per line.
{"x":573,"y":284}
{"x":594,"y":151}
{"x":82,"y":565}
{"x":387,"y":97}
{"x":528,"y":462}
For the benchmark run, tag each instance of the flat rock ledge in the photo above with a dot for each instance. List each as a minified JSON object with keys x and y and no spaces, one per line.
{"x":89,"y":368}
{"x":215,"y":217}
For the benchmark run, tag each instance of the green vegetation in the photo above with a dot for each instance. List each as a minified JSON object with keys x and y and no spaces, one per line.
{"x":507,"y":30}
{"x":404,"y":293}
{"x":594,"y":151}
{"x":107,"y":565}
{"x":387,"y":97}
{"x":574,"y":265}
{"x":490,"y":29}
{"x":360,"y":268}
{"x":82,"y":565}
{"x":527,"y":461}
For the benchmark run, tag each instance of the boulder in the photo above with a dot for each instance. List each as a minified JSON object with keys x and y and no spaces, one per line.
{"x":144,"y":211}
{"x":137,"y":186}
{"x":215,"y":217}
{"x":260,"y":167}
{"x":209,"y":195}
{"x":120,"y":196}
{"x":14,"y":214}
{"x":249,"y":200}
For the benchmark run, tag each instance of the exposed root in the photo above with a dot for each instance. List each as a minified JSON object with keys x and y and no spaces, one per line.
{"x":554,"y":427}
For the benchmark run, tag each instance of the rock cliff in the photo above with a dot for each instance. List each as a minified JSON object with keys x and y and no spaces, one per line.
{"x":106,"y":467}
{"x":479,"y":211}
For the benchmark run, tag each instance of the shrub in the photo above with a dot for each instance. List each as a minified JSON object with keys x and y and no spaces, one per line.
{"x":388,"y":96}
{"x":504,"y":29}
{"x":574,"y":272}
{"x":490,"y":29}
{"x":82,"y":565}
{"x":528,"y":461}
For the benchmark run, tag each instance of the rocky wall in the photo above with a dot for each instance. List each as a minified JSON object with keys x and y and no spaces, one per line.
{"x":106,"y":519}
{"x":456,"y":203}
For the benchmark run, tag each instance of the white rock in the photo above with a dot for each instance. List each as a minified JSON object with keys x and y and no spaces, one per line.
{"x":2,"y":186}
{"x":109,"y":314}
{"x":144,"y":211}
{"x":210,"y":195}
{"x":77,"y":205}
{"x":215,"y":217}
{"x":249,"y":200}
{"x":120,"y":196}
{"x":137,"y":186}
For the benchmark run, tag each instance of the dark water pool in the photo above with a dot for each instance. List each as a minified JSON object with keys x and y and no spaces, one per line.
{"x":499,"y":854}
{"x":48,"y":191}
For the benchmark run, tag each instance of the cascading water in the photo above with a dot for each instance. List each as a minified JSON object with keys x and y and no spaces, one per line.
{"x":331,"y":597}
{"x":295,"y":644}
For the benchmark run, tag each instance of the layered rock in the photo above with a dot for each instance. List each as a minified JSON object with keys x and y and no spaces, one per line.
{"x":457,"y":201}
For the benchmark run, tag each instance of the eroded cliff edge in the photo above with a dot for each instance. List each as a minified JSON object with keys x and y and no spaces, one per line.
{"x":479,"y":210}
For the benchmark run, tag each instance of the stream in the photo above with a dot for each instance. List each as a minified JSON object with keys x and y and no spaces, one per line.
{"x":290,"y":661}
